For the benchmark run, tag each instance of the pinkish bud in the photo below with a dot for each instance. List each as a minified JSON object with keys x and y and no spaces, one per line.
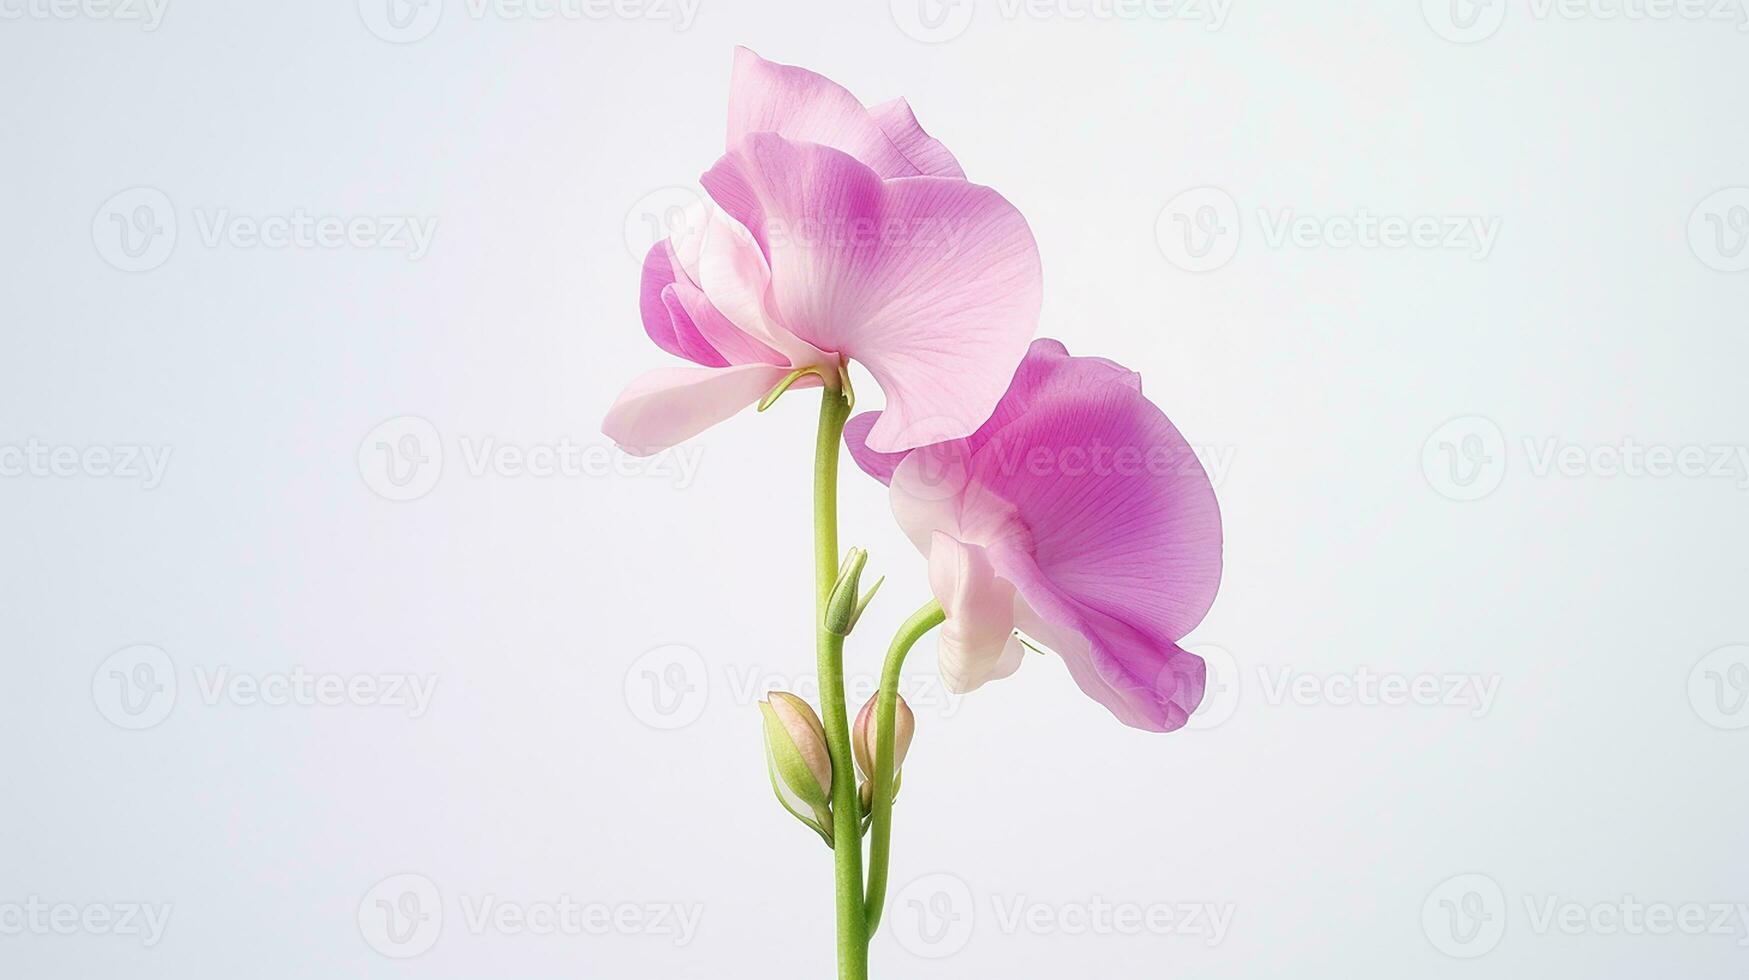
{"x":862,"y":737}
{"x":797,"y":740}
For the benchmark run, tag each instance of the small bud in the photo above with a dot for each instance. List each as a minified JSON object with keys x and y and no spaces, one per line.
{"x":862,"y":737}
{"x":842,"y":605}
{"x":798,"y":753}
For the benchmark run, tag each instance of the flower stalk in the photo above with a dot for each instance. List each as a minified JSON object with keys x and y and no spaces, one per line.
{"x":829,"y":655}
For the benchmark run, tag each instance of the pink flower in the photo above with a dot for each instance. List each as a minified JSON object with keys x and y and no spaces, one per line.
{"x":839,"y":232}
{"x":1076,"y":514}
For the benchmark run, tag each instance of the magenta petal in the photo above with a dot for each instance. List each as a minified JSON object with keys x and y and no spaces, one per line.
{"x":932,"y":283}
{"x":1146,"y":684}
{"x":766,"y":97}
{"x":661,"y":268}
{"x":668,"y":406}
{"x":925,"y":152}
{"x":878,"y":465}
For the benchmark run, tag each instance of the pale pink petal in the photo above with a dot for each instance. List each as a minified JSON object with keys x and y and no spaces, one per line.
{"x":932,"y":283}
{"x":923,"y":150}
{"x":766,"y":97}
{"x":735,"y":277}
{"x":670,"y":405}
{"x":976,"y":642}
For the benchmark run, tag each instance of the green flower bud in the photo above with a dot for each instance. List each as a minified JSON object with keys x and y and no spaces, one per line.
{"x":797,"y":752}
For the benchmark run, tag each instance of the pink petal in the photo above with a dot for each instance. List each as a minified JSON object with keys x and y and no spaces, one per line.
{"x":766,"y":97}
{"x":1147,"y":685}
{"x":670,"y":405}
{"x":976,"y":642}
{"x":932,"y":283}
{"x":925,"y":152}
{"x":878,"y":465}
{"x":1087,"y":500}
{"x":1047,"y":364}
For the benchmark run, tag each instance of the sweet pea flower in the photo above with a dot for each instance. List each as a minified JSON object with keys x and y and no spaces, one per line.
{"x":1076,"y":514}
{"x":837,"y":232}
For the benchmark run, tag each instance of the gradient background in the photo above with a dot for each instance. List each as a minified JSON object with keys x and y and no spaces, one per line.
{"x":1378,"y":420}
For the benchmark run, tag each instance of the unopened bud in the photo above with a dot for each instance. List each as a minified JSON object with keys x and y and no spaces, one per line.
{"x":842,"y":604}
{"x":797,"y":743}
{"x":863,"y":736}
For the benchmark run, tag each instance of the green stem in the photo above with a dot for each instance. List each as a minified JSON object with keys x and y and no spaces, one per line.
{"x":829,"y":650}
{"x":886,"y":709}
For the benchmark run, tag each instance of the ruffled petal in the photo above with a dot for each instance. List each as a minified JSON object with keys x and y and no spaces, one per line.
{"x":976,"y":641}
{"x":925,"y":152}
{"x":878,"y":465}
{"x":668,"y":406}
{"x":1047,"y":365}
{"x":1145,"y":684}
{"x":932,"y":283}
{"x":766,"y":97}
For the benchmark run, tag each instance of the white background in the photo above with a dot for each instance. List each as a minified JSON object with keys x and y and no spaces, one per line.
{"x":1366,"y":531}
